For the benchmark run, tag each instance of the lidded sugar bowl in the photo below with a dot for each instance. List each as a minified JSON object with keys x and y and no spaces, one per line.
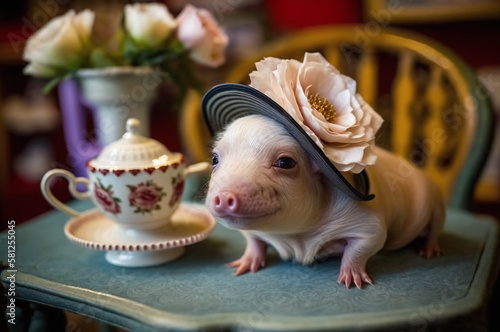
{"x":135,"y":181}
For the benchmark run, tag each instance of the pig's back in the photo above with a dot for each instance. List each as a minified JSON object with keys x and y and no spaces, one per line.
{"x":406,"y":198}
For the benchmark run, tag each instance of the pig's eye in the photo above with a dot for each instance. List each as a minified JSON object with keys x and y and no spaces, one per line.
{"x":215,"y":159}
{"x":285,"y":163}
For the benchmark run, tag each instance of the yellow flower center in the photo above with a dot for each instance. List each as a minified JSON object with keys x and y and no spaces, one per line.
{"x":323,"y":106}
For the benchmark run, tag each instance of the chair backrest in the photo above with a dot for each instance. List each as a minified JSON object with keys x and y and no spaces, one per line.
{"x":437,"y":114}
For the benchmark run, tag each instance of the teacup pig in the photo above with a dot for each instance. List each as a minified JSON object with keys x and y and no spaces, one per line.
{"x":264,"y":184}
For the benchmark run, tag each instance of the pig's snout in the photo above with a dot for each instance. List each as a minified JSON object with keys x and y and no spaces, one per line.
{"x":226,"y":202}
{"x":241,"y":201}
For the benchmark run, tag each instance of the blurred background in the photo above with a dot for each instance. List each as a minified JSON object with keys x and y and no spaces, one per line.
{"x":31,"y":134}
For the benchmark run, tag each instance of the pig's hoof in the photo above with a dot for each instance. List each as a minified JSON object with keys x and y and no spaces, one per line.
{"x":354,"y":274}
{"x":245,"y":264}
{"x":430,"y":251}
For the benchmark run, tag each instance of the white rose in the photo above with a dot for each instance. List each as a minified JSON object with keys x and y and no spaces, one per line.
{"x":60,"y":46}
{"x":326,"y":105}
{"x":149,"y":24}
{"x":199,"y":32}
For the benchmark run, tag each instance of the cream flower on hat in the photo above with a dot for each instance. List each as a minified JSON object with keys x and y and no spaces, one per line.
{"x":325,"y":104}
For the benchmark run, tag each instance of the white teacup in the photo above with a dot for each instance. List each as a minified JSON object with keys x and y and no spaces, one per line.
{"x":134,"y":181}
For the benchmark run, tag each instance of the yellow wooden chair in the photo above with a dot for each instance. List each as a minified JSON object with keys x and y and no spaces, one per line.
{"x":438,"y":116}
{"x":436,"y":113}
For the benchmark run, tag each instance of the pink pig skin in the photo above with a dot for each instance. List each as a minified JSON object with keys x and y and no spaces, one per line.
{"x":298,"y":212}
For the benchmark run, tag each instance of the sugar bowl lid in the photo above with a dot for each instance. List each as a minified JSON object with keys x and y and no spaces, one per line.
{"x":134,"y":151}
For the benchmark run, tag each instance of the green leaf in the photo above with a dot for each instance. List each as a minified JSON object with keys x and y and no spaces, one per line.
{"x":51,"y":84}
{"x":172,"y":57}
{"x":130,"y":50}
{"x":176,"y":45}
{"x":158,"y":59}
{"x":100,"y":59}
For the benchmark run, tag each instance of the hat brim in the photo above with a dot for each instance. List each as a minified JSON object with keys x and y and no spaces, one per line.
{"x":227,"y":102}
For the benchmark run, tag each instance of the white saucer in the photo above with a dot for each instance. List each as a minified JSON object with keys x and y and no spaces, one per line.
{"x":189,"y":224}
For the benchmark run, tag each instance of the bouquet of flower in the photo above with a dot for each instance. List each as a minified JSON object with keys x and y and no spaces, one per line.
{"x":148,"y":36}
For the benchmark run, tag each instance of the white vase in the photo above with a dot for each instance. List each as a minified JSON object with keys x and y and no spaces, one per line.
{"x":117,"y":94}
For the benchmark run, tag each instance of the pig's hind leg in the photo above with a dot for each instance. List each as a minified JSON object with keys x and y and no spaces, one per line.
{"x":253,"y":258}
{"x":431,"y":247}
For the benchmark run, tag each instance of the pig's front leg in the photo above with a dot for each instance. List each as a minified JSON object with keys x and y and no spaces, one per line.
{"x":254,"y":256}
{"x":356,"y":254}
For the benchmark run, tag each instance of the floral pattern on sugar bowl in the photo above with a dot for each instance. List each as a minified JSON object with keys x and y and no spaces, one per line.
{"x":135,"y":181}
{"x":104,"y":197}
{"x":178,"y":189}
{"x":145,"y":197}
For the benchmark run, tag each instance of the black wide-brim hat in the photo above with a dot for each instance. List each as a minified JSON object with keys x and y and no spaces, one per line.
{"x":227,"y":102}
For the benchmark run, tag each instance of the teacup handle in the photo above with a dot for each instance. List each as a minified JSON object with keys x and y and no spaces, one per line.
{"x":196,"y":168}
{"x":73,"y":181}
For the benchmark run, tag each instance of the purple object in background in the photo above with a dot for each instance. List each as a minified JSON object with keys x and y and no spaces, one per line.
{"x":80,"y":147}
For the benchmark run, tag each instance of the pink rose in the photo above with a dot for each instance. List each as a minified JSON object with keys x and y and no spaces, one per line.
{"x":144,"y":197}
{"x":105,"y":199}
{"x":325,"y":104}
{"x":198,"y":31}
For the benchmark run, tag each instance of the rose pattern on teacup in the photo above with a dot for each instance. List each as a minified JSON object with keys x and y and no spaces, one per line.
{"x":145,"y":197}
{"x":178,"y":189}
{"x":104,"y":196}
